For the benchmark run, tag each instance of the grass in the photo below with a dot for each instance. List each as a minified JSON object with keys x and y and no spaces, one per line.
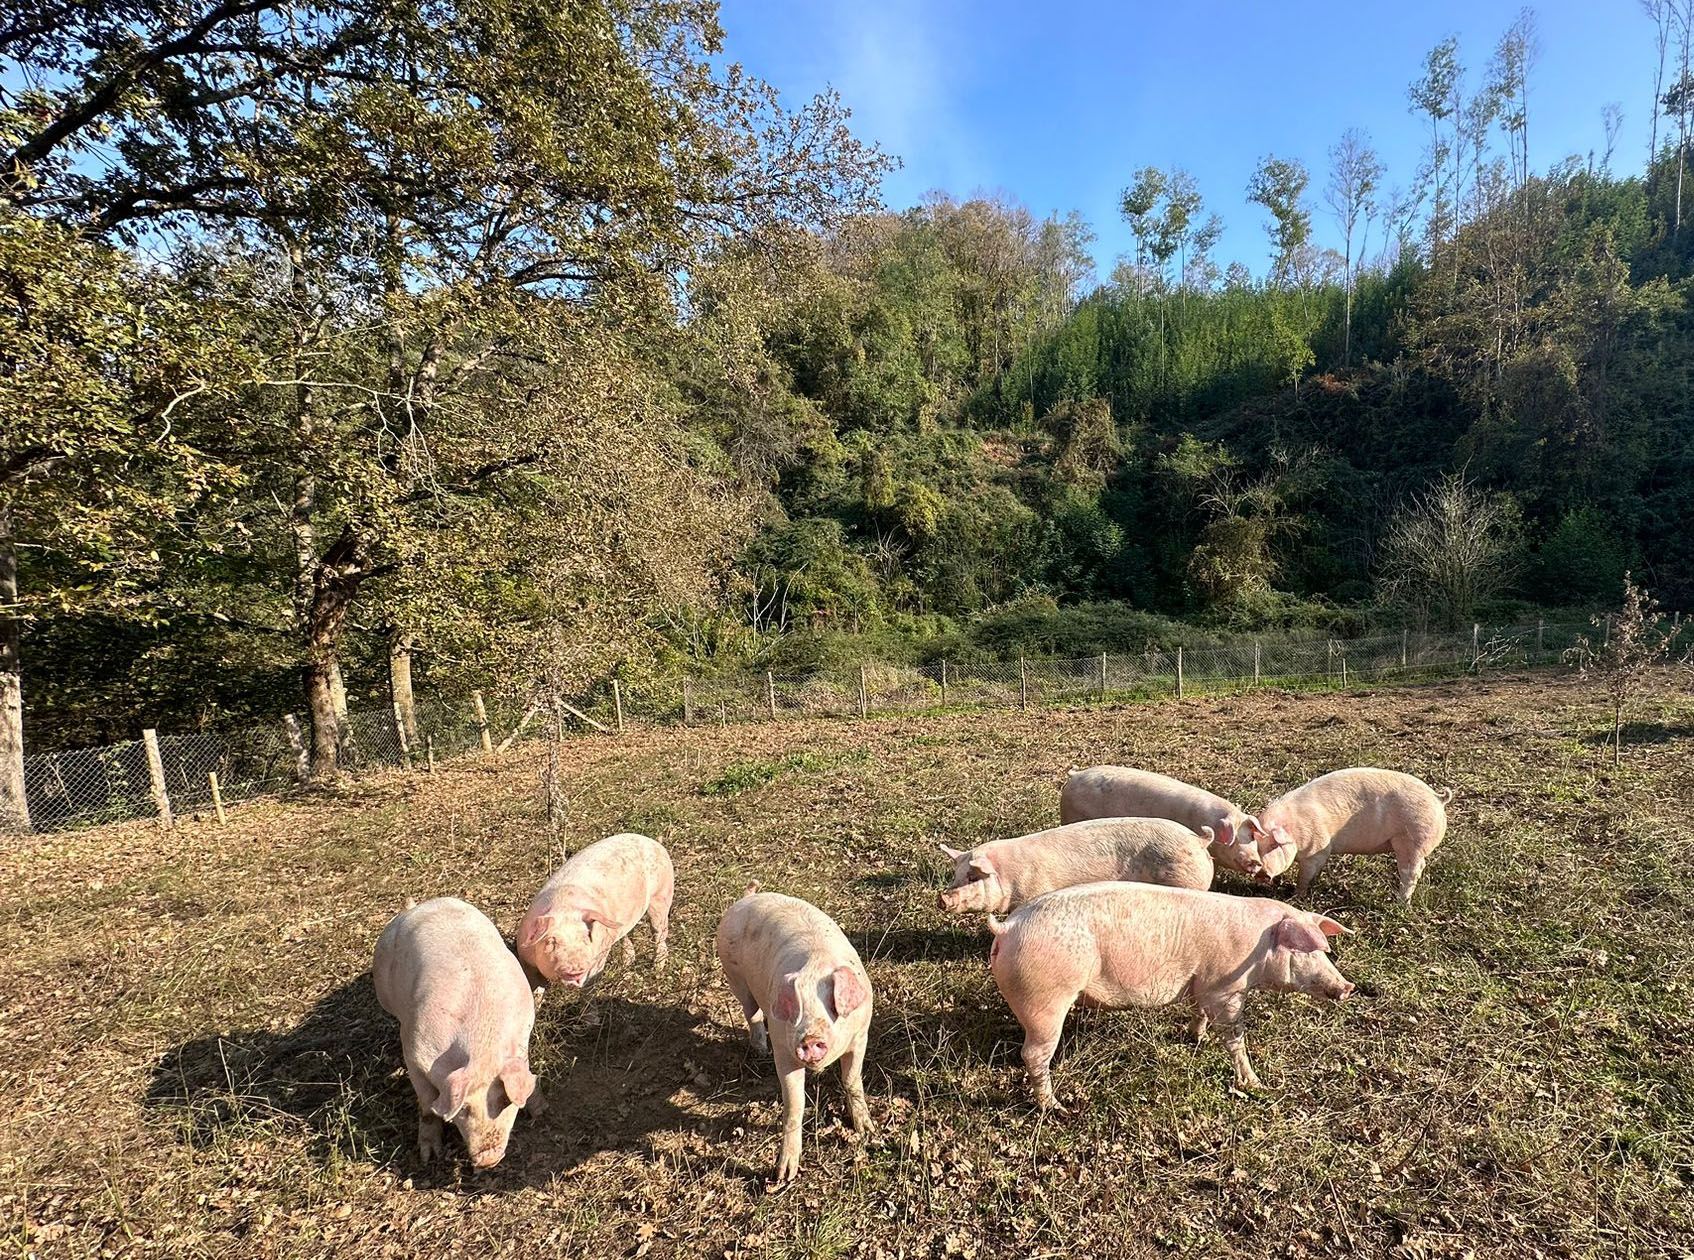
{"x":196,"y":1064}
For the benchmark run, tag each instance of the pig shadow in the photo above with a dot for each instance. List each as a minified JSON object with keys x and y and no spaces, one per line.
{"x":967,"y":939}
{"x":338,"y":1077}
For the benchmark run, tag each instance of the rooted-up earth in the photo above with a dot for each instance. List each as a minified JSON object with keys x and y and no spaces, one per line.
{"x":195,"y":1062}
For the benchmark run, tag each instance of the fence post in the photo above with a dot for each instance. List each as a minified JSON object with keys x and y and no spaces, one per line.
{"x":1475,"y":645}
{"x":943,"y":684}
{"x":687,"y":701}
{"x":1328,"y":661}
{"x":429,"y":751}
{"x":1179,"y":671}
{"x":1343,"y":669}
{"x":770,"y":694}
{"x":1255,"y":662}
{"x":296,"y":745}
{"x":1608,"y":640}
{"x":217,"y":798}
{"x":1540,"y":632}
{"x":400,"y":734}
{"x":1403,"y":637}
{"x":864,"y":694}
{"x":1102,"y":678}
{"x":1023,"y":682}
{"x":617,"y":704}
{"x":482,"y":722}
{"x":156,"y":772}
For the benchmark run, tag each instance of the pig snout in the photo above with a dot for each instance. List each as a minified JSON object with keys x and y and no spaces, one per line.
{"x":488,"y":1156}
{"x":812,"y":1051}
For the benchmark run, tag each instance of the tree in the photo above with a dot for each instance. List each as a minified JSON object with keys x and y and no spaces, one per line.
{"x":1448,"y":548}
{"x":1663,"y":13}
{"x":1634,"y":647}
{"x":431,"y":186}
{"x":1355,"y":172}
{"x":1434,"y":94}
{"x":1279,"y":185}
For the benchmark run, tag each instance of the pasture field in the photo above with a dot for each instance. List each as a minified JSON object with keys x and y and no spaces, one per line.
{"x":194,"y":1062}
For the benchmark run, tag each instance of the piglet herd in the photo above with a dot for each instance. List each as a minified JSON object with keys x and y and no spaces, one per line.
{"x":1110,"y":909}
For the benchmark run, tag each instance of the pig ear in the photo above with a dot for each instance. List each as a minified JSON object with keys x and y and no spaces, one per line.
{"x":850,"y":992}
{"x":952,"y":854}
{"x":536,"y":929}
{"x":1329,"y":927}
{"x":1225,"y":832}
{"x":518,"y":1081}
{"x":980,"y":868}
{"x":1208,"y":835}
{"x":788,"y":998}
{"x":1254,"y":827}
{"x":450,"y":1101}
{"x":591,"y":917}
{"x":1301,"y":937}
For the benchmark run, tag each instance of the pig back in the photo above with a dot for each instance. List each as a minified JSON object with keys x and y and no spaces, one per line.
{"x":1124,"y":792}
{"x":766,"y":935}
{"x":1360,"y":810}
{"x":1148,"y":850}
{"x":617,"y":875}
{"x":445,"y":954}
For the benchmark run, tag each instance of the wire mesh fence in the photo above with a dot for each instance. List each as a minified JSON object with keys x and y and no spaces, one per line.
{"x":198,"y":771}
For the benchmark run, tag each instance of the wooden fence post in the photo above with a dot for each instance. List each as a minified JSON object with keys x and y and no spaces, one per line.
{"x":217,"y":799}
{"x":1540,"y":634}
{"x":617,"y":704}
{"x":943,"y":684}
{"x":156,"y":772}
{"x":770,"y":694}
{"x":1403,"y":637}
{"x":1475,"y":645}
{"x":429,"y":751}
{"x":687,"y":701}
{"x":1023,"y":683}
{"x":1255,"y":662}
{"x":1179,"y":671}
{"x":400,"y":734}
{"x":1102,"y":678}
{"x":1608,"y":639}
{"x":482,"y":722}
{"x":1343,"y":669}
{"x":864,"y":695}
{"x":297,"y":745}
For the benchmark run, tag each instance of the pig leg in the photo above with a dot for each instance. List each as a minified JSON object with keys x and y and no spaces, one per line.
{"x":659,"y":915}
{"x":853,"y":1080}
{"x":1310,"y":864}
{"x":793,"y":1117}
{"x":1410,"y":869}
{"x":1225,"y":1012}
{"x":1041,"y":1029}
{"x":429,"y":1124}
{"x":628,"y":951}
{"x":1197,"y":1027}
{"x":750,"y":1011}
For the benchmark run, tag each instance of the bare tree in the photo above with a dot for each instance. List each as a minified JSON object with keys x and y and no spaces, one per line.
{"x":1355,"y":171}
{"x":1663,"y":16}
{"x":1635,"y":646}
{"x":1447,"y":549}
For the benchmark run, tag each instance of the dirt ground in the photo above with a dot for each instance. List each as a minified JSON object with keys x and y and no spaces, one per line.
{"x":195,"y":1063}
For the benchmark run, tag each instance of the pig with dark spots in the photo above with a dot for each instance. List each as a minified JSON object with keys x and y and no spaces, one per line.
{"x":1123,"y":792}
{"x":591,"y":903}
{"x":1362,"y":810}
{"x":806,"y":997}
{"x":1117,"y":945}
{"x":465,"y":1013}
{"x":1002,"y":874}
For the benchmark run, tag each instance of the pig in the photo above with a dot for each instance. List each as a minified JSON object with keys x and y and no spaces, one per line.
{"x":1120,"y":944}
{"x":591,"y":903}
{"x":1005,"y":873}
{"x":465,"y":1011}
{"x":1120,"y":792}
{"x":797,"y":976}
{"x":1361,"y":810}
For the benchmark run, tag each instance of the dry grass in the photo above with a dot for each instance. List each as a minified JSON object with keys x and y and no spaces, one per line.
{"x":195,"y":1063}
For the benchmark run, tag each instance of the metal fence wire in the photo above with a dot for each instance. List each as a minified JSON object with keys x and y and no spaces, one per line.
{"x":85,"y":786}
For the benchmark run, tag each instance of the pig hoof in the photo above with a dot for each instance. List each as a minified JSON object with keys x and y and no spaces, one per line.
{"x":787,"y":1169}
{"x":429,"y":1145}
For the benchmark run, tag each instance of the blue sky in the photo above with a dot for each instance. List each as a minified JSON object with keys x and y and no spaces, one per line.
{"x":1058,"y":104}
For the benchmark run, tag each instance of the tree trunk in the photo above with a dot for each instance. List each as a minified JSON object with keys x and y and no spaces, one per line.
{"x":326,"y":731}
{"x":400,"y":684}
{"x":14,"y":803}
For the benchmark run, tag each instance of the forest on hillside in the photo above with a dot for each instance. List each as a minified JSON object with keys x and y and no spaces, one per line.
{"x":355,"y":346}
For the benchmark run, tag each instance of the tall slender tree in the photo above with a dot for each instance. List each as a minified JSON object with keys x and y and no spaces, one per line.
{"x":1355,"y":172}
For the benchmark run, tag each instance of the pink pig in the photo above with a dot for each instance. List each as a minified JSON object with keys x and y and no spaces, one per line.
{"x":592,"y":902}
{"x":1118,"y":944}
{"x":1121,"y":792}
{"x":1352,"y":811}
{"x":465,"y":1014}
{"x":796,"y":974}
{"x":1005,"y":873}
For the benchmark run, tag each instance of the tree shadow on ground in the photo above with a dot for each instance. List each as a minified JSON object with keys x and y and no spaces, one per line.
{"x":338,"y":1075}
{"x":1644,"y":733}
